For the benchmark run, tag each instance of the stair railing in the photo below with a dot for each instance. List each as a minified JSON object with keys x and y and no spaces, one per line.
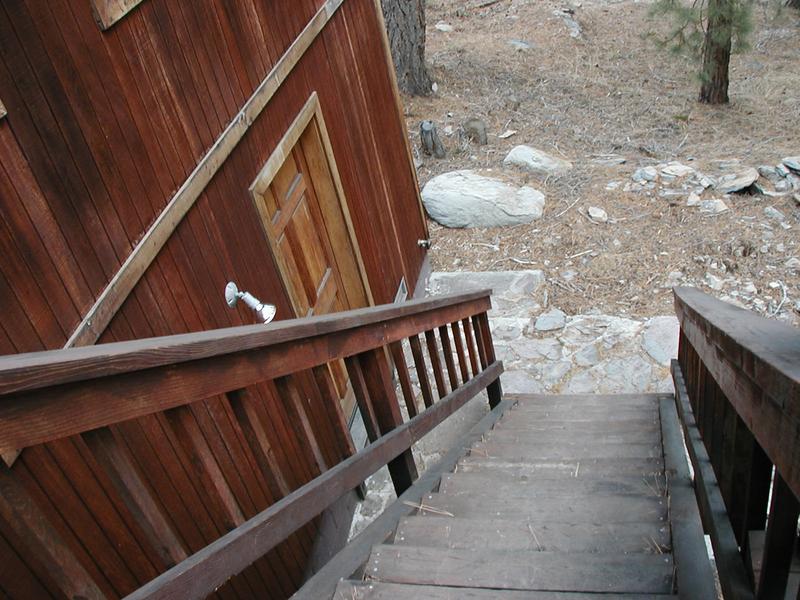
{"x":50,"y":395}
{"x":737,"y":383}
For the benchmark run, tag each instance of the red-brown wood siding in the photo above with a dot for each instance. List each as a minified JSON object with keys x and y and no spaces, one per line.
{"x":102,"y":129}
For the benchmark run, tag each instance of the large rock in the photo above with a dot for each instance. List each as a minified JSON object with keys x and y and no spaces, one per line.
{"x":536,"y":161}
{"x":467,"y":199}
{"x":793,"y":162}
{"x":736,"y":182}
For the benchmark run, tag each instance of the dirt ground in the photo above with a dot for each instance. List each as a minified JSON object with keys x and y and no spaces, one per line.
{"x":613,"y":91}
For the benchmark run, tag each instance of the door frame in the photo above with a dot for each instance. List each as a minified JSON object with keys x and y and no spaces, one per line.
{"x":311,"y":111}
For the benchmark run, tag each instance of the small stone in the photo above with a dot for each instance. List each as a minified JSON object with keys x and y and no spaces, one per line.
{"x":793,"y":263}
{"x":782,"y":169}
{"x":749,"y":288}
{"x":613,"y":185}
{"x":793,"y":162}
{"x":736,"y":182}
{"x":442,"y":26}
{"x":609,"y":160}
{"x":645,"y":174}
{"x":774,"y":213}
{"x":520,"y":44}
{"x":713,"y":206}
{"x":551,"y":320}
{"x":676,"y":169}
{"x":784,"y":185}
{"x":707,"y":181}
{"x":475,"y":129}
{"x":714,"y":282}
{"x":598,"y":214}
{"x":693,"y":200}
{"x":536,"y":161}
{"x":770,"y":174}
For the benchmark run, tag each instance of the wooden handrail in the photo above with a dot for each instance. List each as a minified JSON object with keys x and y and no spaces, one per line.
{"x":737,"y":383}
{"x":44,"y":396}
{"x":756,"y":363}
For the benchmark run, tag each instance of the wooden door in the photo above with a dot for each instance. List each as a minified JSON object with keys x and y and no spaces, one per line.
{"x":304,"y":214}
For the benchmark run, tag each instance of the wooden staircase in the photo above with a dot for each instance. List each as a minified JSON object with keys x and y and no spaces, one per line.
{"x":565,"y":494}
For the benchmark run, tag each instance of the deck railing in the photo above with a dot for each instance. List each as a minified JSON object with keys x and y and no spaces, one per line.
{"x":51,"y":395}
{"x":737,"y":381}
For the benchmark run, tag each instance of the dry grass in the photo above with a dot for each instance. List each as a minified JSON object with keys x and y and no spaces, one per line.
{"x":610,"y":92}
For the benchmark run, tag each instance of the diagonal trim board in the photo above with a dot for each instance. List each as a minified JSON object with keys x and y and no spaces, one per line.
{"x":121,"y":285}
{"x":123,"y":282}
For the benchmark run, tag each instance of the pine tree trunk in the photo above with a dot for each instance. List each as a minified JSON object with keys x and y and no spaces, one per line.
{"x":405,"y":24}
{"x":793,"y":3}
{"x":716,"y":53}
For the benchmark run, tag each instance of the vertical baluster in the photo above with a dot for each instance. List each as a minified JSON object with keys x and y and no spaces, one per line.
{"x":751,"y":478}
{"x":779,"y":543}
{"x":447,"y":350}
{"x":484,"y":333}
{"x":381,"y":390}
{"x":358,"y":382}
{"x":422,"y":370}
{"x":462,"y":359}
{"x":728,"y":455}
{"x":479,"y":342}
{"x":436,"y":364}
{"x":470,"y":341}
{"x":299,"y":419}
{"x":333,"y":410}
{"x":396,"y":348}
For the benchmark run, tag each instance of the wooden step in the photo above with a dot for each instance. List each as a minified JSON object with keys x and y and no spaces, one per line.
{"x":602,"y":509}
{"x":376,"y":590}
{"x":559,"y":469}
{"x":584,"y":400}
{"x":529,"y":422}
{"x":522,"y":570}
{"x":521,"y":433}
{"x":498,"y":534}
{"x":531,"y":451}
{"x":571,"y":412}
{"x":501,"y":484}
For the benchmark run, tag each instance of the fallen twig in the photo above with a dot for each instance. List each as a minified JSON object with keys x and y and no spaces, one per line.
{"x":425,"y":507}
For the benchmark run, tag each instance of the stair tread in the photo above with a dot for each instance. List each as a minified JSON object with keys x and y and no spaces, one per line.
{"x":512,"y":447}
{"x":377,"y":590}
{"x":522,"y":570}
{"x":532,"y":534}
{"x":502,"y":484}
{"x":572,"y":509}
{"x":553,"y":468}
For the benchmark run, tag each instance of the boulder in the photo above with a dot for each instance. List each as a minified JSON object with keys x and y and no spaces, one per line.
{"x":536,"y":161}
{"x":468,"y":199}
{"x":676,"y":169}
{"x":736,"y":182}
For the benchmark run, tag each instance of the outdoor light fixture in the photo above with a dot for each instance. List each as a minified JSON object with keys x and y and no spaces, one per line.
{"x":265,"y":312}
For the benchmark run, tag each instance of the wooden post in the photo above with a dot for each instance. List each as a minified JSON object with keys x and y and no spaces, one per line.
{"x":378,"y":380}
{"x":779,"y":543}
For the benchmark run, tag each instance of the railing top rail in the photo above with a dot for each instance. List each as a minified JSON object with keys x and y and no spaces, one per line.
{"x":768,"y":351}
{"x":31,"y":371}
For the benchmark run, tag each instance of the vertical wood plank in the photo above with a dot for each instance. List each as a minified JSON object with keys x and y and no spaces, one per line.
{"x":462,"y":359}
{"x":398,"y":356}
{"x":357,"y":380}
{"x":470,"y":341}
{"x":299,"y":420}
{"x":447,"y":350}
{"x":422,"y":370}
{"x":494,"y":390}
{"x":436,"y":363}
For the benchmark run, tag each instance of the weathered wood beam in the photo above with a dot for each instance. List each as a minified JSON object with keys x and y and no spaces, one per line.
{"x":134,"y":267}
{"x":206,"y":570}
{"x":48,"y":398}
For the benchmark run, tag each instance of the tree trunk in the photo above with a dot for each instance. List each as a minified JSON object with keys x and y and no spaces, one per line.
{"x":405,"y":24}
{"x":793,"y":3}
{"x":716,"y":53}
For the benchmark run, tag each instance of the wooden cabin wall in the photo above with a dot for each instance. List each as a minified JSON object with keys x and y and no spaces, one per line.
{"x":102,"y":129}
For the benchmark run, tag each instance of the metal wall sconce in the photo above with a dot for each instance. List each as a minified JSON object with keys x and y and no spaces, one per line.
{"x":265,"y":312}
